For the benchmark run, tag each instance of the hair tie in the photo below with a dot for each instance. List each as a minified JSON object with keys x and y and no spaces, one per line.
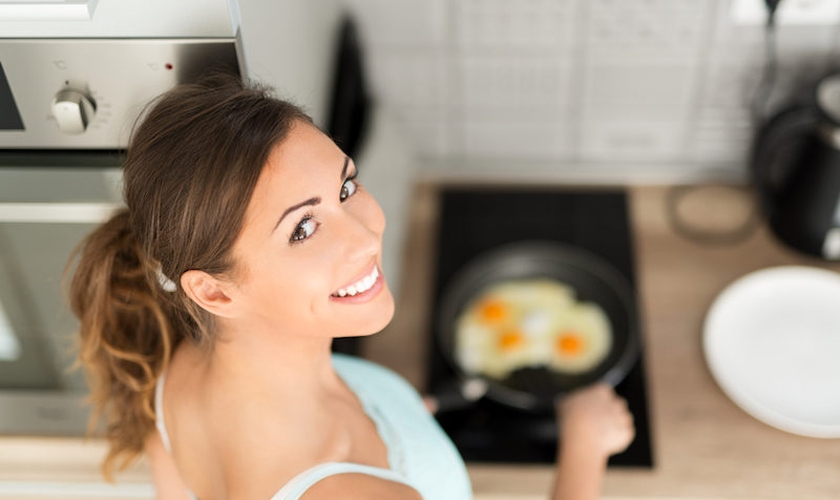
{"x":167,"y":284}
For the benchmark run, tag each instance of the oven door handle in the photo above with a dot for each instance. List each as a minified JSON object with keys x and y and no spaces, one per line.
{"x":61,"y":213}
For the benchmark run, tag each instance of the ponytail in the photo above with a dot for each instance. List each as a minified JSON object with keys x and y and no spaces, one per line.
{"x":189,"y":173}
{"x":126,"y":338}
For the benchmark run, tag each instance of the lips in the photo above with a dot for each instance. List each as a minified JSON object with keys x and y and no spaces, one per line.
{"x":359,"y":287}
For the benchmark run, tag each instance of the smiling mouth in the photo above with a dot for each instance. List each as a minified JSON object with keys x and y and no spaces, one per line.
{"x":360,"y":286}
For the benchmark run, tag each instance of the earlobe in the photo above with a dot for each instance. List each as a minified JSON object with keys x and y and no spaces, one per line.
{"x":208,"y":292}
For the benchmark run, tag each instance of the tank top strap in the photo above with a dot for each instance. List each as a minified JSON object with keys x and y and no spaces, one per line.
{"x":159,"y":423}
{"x":298,"y":485}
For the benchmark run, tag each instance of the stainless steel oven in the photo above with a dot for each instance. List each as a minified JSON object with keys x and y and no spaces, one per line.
{"x":66,"y":112}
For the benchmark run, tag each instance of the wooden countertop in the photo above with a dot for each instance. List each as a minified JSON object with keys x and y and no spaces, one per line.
{"x":705,"y":447}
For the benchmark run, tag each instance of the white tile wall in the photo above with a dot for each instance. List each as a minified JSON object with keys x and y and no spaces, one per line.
{"x":583,"y":82}
{"x":514,"y":24}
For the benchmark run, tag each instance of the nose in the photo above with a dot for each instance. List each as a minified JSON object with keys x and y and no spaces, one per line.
{"x":364,"y":228}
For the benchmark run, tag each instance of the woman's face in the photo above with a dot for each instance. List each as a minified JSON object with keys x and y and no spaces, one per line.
{"x":309,"y":255}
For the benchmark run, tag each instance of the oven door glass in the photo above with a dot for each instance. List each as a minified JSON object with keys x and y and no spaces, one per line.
{"x":44,"y":214}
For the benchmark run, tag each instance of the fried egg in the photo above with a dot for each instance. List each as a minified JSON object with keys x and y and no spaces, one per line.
{"x":530,"y":323}
{"x":581,"y":339}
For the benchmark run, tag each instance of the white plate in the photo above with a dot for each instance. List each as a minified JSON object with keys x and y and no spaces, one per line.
{"x":772,"y":342}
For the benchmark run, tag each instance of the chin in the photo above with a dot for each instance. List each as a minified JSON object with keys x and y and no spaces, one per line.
{"x":386,"y":317}
{"x":376,"y":321}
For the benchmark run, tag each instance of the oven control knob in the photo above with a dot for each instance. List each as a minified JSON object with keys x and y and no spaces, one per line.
{"x":73,"y":110}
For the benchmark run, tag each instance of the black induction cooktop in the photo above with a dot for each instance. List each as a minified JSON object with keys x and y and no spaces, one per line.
{"x":475,"y":220}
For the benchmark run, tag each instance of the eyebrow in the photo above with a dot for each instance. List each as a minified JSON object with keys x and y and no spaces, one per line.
{"x":344,"y":168}
{"x":315,"y":199}
{"x":310,"y":202}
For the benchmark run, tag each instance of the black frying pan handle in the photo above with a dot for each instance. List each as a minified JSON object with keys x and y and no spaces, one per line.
{"x":458,"y":394}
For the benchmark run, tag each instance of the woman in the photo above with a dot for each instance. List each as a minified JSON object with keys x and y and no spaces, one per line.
{"x":208,"y":308}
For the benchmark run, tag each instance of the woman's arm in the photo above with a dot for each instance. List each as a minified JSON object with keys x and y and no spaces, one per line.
{"x":593,"y":423}
{"x":165,"y":475}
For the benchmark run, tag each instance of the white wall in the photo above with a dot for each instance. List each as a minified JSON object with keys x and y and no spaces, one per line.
{"x":625,"y":87}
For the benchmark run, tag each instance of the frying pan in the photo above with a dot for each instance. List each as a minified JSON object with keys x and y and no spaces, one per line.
{"x":537,"y":389}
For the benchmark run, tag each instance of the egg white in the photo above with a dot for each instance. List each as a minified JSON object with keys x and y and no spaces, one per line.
{"x":592,"y":326}
{"x":535,"y":308}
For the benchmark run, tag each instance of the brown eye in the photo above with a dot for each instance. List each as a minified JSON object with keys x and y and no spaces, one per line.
{"x":348,"y":189}
{"x":303,"y":230}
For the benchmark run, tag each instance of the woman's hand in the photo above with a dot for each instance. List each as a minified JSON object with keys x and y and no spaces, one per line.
{"x":595,"y":419}
{"x":593,"y":423}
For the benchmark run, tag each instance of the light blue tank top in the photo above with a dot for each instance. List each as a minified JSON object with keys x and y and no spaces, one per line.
{"x":419,"y":452}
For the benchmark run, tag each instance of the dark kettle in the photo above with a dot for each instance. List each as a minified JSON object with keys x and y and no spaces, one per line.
{"x":796,"y":171}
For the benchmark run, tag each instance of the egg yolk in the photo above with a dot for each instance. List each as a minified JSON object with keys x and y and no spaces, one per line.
{"x":493,"y":311}
{"x":510,"y":340}
{"x":569,"y":344}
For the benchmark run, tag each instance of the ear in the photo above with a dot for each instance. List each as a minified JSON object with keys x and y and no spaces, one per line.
{"x":208,"y":292}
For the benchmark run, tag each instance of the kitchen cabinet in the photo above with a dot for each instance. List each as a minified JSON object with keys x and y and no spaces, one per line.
{"x":704,"y":445}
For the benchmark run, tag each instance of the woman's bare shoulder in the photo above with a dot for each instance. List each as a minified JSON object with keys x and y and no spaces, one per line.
{"x":358,"y":486}
{"x":251,"y":447}
{"x":165,"y":474}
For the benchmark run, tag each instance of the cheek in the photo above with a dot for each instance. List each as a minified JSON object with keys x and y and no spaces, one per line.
{"x":304,"y":279}
{"x":295,"y":296}
{"x":289,"y":283}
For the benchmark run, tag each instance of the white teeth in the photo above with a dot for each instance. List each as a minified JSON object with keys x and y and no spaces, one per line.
{"x":360,"y":286}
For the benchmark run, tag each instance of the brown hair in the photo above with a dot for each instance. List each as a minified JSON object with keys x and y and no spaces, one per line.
{"x":190,"y":170}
